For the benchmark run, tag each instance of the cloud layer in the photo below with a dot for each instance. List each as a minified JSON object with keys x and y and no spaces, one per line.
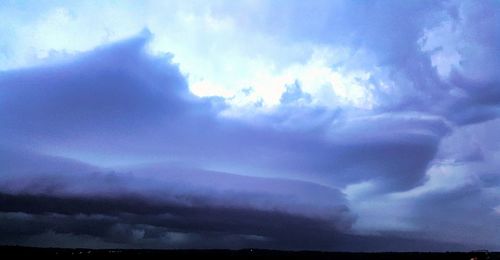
{"x":382,"y":136}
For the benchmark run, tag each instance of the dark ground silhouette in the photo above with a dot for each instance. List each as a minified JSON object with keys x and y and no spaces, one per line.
{"x":18,"y":251}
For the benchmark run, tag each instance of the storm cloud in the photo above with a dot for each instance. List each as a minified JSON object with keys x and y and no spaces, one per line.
{"x":397,"y":149}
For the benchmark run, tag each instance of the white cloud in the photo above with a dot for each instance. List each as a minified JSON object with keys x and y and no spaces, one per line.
{"x":442,"y":42}
{"x":219,"y":57}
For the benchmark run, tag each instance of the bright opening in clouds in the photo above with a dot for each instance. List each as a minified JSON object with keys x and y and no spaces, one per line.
{"x":324,"y":125}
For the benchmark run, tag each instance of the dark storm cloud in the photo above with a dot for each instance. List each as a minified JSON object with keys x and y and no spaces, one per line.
{"x":169,"y":184}
{"x":211,"y":176}
{"x":118,"y":101}
{"x":115,"y":87}
{"x":274,"y":226}
{"x":115,"y":208}
{"x":185,"y":227}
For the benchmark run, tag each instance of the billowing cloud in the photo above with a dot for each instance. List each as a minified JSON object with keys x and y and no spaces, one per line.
{"x":333,"y":132}
{"x":118,"y":101}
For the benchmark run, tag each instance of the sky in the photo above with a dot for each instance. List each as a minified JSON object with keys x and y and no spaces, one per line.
{"x":296,"y":125}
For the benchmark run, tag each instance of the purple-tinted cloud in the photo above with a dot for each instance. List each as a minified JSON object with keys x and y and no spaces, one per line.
{"x":109,"y":147}
{"x":119,"y":100}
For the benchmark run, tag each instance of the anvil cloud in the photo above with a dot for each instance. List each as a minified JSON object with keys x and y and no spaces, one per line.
{"x":326,"y":125}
